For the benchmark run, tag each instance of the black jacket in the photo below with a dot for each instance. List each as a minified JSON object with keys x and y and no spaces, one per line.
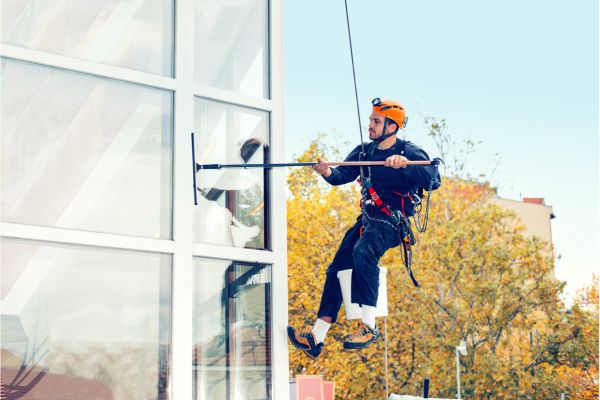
{"x":390,"y":183}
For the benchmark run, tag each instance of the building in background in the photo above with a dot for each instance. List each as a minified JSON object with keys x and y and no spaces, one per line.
{"x":534,"y":213}
{"x":114,"y":284}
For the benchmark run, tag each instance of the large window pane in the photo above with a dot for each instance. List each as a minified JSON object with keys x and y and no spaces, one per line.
{"x":135,"y":34}
{"x":85,"y":153}
{"x":231,"y":50}
{"x":232,"y":332}
{"x":232,"y":206}
{"x":84,"y":323}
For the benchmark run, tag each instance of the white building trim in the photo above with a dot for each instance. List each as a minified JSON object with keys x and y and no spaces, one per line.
{"x":183,"y":283}
{"x":205,"y":250}
{"x":83,"y":238}
{"x":227,"y":96}
{"x":279,"y":299}
{"x":88,"y":67}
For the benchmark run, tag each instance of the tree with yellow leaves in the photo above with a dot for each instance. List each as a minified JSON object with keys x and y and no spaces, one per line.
{"x":482,"y":281}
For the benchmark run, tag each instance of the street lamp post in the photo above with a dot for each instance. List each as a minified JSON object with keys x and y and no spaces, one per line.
{"x":462,"y":349}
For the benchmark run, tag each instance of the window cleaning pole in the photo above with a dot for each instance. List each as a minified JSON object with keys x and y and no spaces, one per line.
{"x":305,"y":164}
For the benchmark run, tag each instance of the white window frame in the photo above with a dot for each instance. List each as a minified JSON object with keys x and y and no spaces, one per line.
{"x":181,"y":247}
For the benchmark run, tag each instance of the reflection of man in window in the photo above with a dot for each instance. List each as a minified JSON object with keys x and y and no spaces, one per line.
{"x":242,"y":218}
{"x":393,"y":198}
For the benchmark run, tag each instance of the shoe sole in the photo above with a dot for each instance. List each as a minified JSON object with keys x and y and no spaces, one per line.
{"x":360,"y":346}
{"x":292,"y":337}
{"x":309,"y":355}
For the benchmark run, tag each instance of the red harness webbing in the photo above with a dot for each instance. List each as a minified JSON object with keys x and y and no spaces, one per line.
{"x":378,"y":202}
{"x":381,"y":206}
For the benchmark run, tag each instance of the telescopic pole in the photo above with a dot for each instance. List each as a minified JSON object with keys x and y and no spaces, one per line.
{"x":305,"y":164}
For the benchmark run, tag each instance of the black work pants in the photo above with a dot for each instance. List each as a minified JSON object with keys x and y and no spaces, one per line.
{"x":361,"y":254}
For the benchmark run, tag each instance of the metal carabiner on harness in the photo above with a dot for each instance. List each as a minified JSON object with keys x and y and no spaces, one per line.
{"x":416,"y":200}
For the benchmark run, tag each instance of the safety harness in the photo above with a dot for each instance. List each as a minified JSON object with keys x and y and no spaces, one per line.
{"x":397,"y":219}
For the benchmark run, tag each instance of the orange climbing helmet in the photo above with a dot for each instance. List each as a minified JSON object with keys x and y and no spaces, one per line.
{"x":391,"y":110}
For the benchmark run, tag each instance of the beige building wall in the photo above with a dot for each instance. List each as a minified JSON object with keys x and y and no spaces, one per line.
{"x":534,"y":213}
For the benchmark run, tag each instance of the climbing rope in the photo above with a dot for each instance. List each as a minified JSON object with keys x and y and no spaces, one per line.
{"x":362,"y":145}
{"x":422,"y":227}
{"x":362,"y":179}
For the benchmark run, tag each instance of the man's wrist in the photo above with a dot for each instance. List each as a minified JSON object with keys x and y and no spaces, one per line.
{"x":328,"y":172}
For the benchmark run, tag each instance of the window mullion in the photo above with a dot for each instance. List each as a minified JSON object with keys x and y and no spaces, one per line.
{"x":277,"y":191}
{"x":182,"y":342}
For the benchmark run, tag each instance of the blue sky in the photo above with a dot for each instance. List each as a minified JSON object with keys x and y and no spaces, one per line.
{"x":519,"y":76}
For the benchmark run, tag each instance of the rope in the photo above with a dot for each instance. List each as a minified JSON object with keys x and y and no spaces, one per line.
{"x":362,"y":145}
{"x":362,"y":178}
{"x":354,"y":75}
{"x":422,"y":227}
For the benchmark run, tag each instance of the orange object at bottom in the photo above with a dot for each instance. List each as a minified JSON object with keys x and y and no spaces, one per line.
{"x":313,"y":387}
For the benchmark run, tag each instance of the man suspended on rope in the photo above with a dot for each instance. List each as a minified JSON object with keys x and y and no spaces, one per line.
{"x":389,"y":194}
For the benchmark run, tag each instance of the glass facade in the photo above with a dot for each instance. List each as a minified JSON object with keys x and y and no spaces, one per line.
{"x":232,"y":330}
{"x":82,"y":323}
{"x":95,"y":157}
{"x":232,"y":200}
{"x":135,"y":34}
{"x":113,"y":284}
{"x":231,"y":46}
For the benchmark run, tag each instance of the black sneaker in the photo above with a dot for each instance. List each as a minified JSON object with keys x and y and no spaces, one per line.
{"x":362,"y":338}
{"x":306,"y":342}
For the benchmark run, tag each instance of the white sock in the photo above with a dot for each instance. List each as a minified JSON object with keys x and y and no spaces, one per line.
{"x":368,"y":315}
{"x":320,"y":330}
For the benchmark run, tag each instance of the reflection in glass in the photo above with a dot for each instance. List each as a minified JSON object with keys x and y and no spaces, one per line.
{"x":84,"y":323}
{"x":231,"y":206}
{"x":232,"y":332}
{"x":136,"y":34}
{"x":231,"y":49}
{"x":85,"y":153}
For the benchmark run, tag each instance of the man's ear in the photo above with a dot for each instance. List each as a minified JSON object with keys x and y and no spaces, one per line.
{"x":392,"y":127}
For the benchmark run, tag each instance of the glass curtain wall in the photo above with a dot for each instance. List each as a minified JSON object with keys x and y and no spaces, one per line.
{"x":86,"y":153}
{"x":232,"y":201}
{"x":94,"y":157}
{"x":136,"y":34}
{"x":232,"y":332}
{"x":231,"y":46}
{"x":232,"y":321}
{"x":84,"y":323}
{"x":88,"y":192}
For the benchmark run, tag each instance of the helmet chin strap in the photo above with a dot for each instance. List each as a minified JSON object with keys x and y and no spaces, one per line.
{"x":383,"y":134}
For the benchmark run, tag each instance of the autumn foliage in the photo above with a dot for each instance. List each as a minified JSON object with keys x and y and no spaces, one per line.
{"x":482,"y":281}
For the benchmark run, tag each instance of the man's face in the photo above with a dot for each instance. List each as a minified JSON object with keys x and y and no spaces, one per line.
{"x":376,"y":121}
